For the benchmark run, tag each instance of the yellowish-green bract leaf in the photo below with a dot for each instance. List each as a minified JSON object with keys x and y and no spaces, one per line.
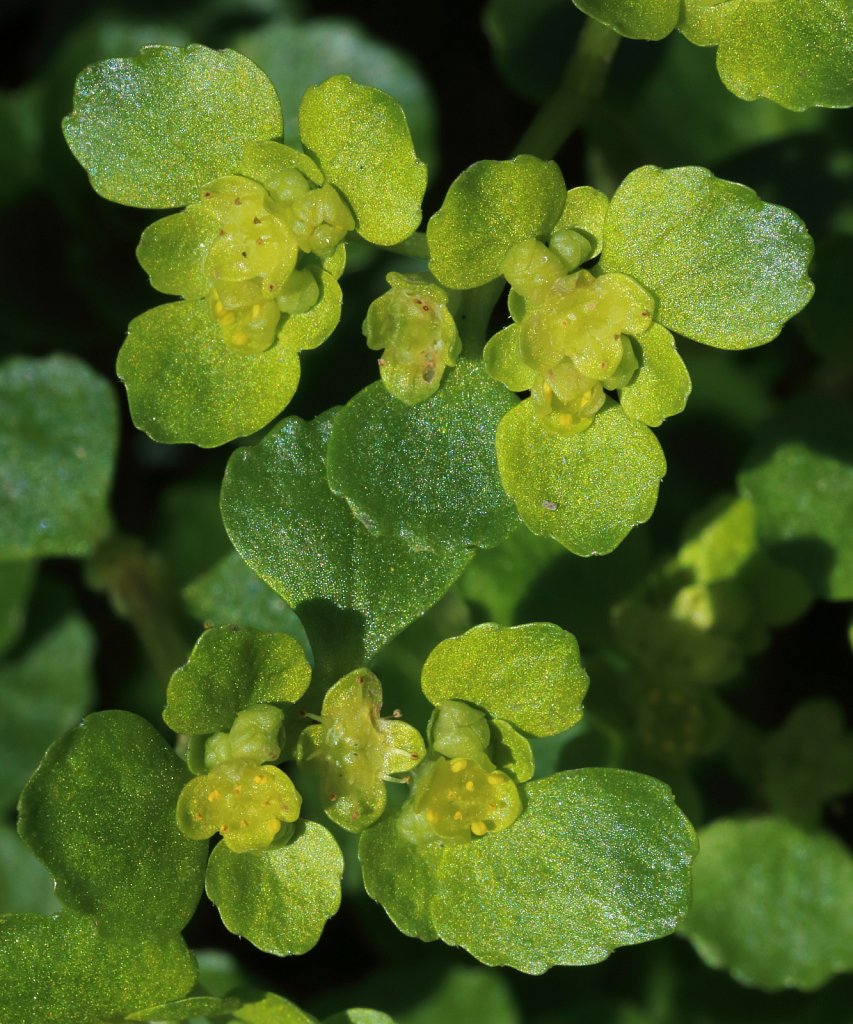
{"x":351,"y":589}
{"x":503,"y":361}
{"x":100,"y":813}
{"x":359,"y":1016}
{"x":662,"y":384}
{"x":727,"y":269}
{"x":58,"y":439}
{"x":636,"y":19}
{"x":360,"y":138}
{"x":488,"y":208}
{"x":64,"y":969}
{"x":795,"y":52}
{"x":42,"y":694}
{"x":279,"y":899}
{"x":229,"y":669}
{"x":310,"y":329}
{"x":272,"y":1009}
{"x":426,"y":473}
{"x":772,"y":904}
{"x":799,"y":475}
{"x":173,"y":249}
{"x":183,"y":1009}
{"x":587,"y":490}
{"x":152,"y":129}
{"x":231,"y":593}
{"x":185,"y":386}
{"x":598,"y":859}
{"x":530,"y":675}
{"x":585,"y":210}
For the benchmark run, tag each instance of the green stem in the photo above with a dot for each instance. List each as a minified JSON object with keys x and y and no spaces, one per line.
{"x":475,"y":311}
{"x":137,"y":589}
{"x":582,"y":83}
{"x":415,"y":246}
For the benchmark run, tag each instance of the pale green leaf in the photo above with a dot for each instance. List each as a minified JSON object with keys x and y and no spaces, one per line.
{"x":503,"y":360}
{"x":426,"y":474}
{"x":799,"y":475}
{"x":185,"y":386}
{"x":229,"y":669}
{"x":172,"y":251}
{"x":636,"y":19}
{"x":359,"y":1016}
{"x":510,"y":751}
{"x":727,"y":269}
{"x":197,"y":105}
{"x":272,"y":1009}
{"x":662,"y":384}
{"x":310,"y":329}
{"x":58,"y":439}
{"x":585,"y":210}
{"x":100,"y":813}
{"x":360,"y":138}
{"x":357,"y":590}
{"x":43,"y":693}
{"x":63,"y":969}
{"x":530,"y":675}
{"x":488,"y":208}
{"x":279,"y":899}
{"x":587,"y":490}
{"x":772,"y":904}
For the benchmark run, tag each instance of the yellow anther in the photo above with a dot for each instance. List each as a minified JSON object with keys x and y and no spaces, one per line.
{"x":213,"y":795}
{"x":256,"y":311}
{"x":259,"y":779}
{"x":496,"y":777}
{"x":479,"y":828}
{"x":272,"y":826}
{"x":218,"y":308}
{"x":457,"y":816}
{"x":469,"y":785}
{"x":228,"y":319}
{"x":458,"y":764}
{"x":431,"y":816}
{"x":239,"y":338}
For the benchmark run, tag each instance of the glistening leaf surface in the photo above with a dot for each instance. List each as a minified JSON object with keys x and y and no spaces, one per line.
{"x":63,"y":969}
{"x":636,"y":19}
{"x":772,"y":904}
{"x":360,"y":138}
{"x":186,"y":386}
{"x":426,"y":474}
{"x":352,"y":590}
{"x":100,"y":813}
{"x":587,"y":490}
{"x":197,"y":105}
{"x":662,"y":384}
{"x":727,"y":269}
{"x":229,"y":669}
{"x":58,"y":439}
{"x":530,"y":675}
{"x":279,"y":899}
{"x":488,"y":208}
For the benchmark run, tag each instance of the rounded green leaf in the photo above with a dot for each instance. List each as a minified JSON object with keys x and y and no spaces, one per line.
{"x":42,"y":694}
{"x":230,"y":592}
{"x":185,"y":386}
{"x":636,"y":19}
{"x":310,"y":329}
{"x":357,"y":589}
{"x":503,"y":361}
{"x":197,"y":105}
{"x":662,"y":384}
{"x":279,"y":899}
{"x":272,"y":1009}
{"x":183,"y":1009}
{"x":587,"y":490}
{"x":16,"y":581}
{"x":64,"y":969}
{"x":25,"y":885}
{"x":359,"y":1016}
{"x":599,"y":859}
{"x":511,"y":752}
{"x":585,"y":210}
{"x":360,"y":138}
{"x":799,"y":476}
{"x":172,"y":251}
{"x":465,"y":994}
{"x":530,"y":675}
{"x":58,"y":439}
{"x":772,"y":904}
{"x":795,"y":52}
{"x":727,"y":269}
{"x":229,"y":669}
{"x":100,"y":813}
{"x":488,"y":208}
{"x":426,"y":473}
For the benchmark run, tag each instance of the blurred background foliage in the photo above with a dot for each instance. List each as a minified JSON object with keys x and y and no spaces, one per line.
{"x":719,"y":650}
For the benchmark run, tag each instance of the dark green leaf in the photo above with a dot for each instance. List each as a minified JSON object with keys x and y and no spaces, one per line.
{"x":25,"y":886}
{"x":100,"y":813}
{"x":636,"y":19}
{"x":426,"y":474}
{"x":16,"y":580}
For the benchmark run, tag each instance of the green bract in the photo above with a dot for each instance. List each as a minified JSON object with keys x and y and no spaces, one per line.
{"x":426,"y":474}
{"x":100,"y":812}
{"x":258,"y":250}
{"x":636,"y":19}
{"x":354,"y":751}
{"x":357,"y":589}
{"x":772,"y":904}
{"x":279,"y":899}
{"x":58,"y":439}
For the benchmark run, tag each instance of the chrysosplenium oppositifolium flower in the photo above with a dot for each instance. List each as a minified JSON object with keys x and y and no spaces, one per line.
{"x":257,"y":252}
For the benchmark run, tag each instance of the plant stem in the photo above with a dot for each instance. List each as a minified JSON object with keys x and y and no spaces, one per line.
{"x":582,"y":83}
{"x":475,"y":311}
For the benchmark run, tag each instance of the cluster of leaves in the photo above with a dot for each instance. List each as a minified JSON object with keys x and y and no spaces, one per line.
{"x":435,"y":497}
